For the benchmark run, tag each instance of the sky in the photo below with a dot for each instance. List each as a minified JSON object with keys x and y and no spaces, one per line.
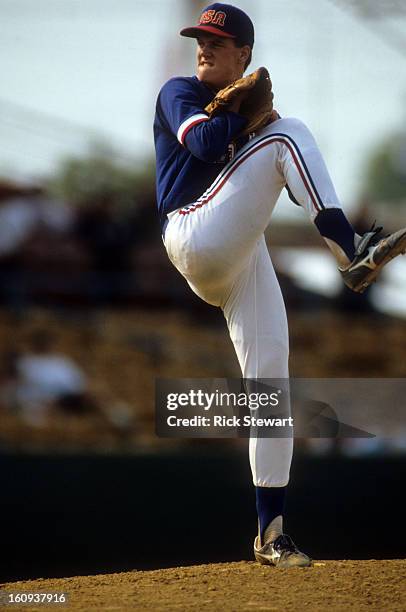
{"x":73,"y":71}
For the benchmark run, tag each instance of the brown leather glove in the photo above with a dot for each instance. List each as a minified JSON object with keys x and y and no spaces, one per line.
{"x":255,"y":89}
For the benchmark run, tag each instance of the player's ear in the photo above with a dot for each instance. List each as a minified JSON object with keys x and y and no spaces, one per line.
{"x":244,"y":53}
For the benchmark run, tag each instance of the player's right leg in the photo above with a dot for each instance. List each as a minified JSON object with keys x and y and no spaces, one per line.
{"x":257,"y":323}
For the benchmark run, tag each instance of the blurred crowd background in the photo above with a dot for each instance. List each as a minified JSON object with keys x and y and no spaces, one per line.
{"x":91,"y":311}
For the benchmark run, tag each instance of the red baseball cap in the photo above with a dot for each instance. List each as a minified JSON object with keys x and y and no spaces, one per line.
{"x":223,"y":20}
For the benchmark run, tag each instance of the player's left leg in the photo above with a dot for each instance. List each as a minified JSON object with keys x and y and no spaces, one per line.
{"x":256,"y":318}
{"x":359,"y":259}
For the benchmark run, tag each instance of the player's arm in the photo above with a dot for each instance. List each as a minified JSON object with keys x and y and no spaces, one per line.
{"x":205,"y":138}
{"x":208,"y":140}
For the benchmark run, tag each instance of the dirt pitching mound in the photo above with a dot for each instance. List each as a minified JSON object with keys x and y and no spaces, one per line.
{"x":328,"y":585}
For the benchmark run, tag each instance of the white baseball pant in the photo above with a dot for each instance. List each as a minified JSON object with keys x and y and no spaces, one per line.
{"x":217,"y":243}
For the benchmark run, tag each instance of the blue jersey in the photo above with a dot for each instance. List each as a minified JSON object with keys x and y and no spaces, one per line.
{"x":191,"y":149}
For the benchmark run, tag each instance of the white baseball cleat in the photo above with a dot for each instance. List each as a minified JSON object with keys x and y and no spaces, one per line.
{"x":282,"y":553}
{"x":371,"y":255}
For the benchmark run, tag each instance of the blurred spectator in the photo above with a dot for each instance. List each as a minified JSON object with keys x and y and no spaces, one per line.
{"x":39,"y":383}
{"x":109,"y":240}
{"x":48,"y":379}
{"x":24,"y":211}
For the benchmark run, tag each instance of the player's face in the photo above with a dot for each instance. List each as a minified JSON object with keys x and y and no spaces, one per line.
{"x":219,"y":61}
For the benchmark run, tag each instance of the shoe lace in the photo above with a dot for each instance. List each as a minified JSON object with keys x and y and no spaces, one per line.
{"x":284,"y":543}
{"x":370,"y":238}
{"x":374,"y":229}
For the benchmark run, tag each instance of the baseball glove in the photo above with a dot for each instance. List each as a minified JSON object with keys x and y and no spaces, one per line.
{"x":255,"y":89}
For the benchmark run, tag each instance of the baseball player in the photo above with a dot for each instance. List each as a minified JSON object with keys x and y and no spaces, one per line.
{"x":217,"y":184}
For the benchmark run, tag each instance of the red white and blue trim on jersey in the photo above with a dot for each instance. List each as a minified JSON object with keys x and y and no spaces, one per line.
{"x":265,"y":141}
{"x":188,"y":124}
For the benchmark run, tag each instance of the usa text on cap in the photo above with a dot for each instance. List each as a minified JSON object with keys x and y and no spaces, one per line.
{"x":223,"y":20}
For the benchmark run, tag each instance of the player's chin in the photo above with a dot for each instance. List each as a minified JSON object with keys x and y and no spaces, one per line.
{"x":205,"y":73}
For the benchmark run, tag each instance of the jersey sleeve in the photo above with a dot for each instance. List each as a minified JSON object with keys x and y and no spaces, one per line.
{"x":205,"y":138}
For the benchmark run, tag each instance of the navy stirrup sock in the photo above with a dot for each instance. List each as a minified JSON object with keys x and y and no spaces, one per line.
{"x":333,"y":224}
{"x":270,"y":504}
